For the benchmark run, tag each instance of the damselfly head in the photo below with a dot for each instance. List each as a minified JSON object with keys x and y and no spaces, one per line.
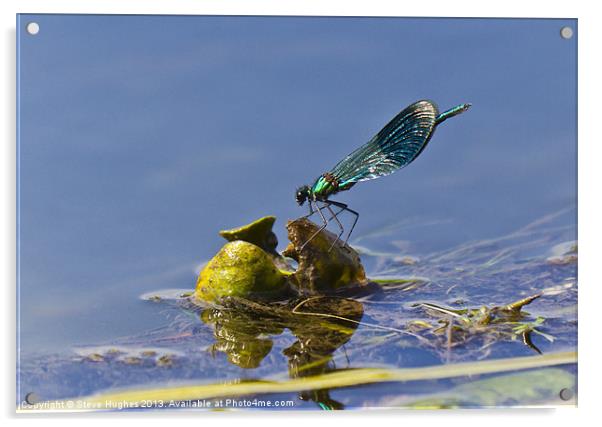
{"x":302,"y":194}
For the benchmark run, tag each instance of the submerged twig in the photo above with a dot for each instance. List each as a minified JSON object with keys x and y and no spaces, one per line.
{"x":365,"y":324}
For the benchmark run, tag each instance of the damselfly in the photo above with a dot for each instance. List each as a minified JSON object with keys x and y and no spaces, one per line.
{"x":394,"y":147}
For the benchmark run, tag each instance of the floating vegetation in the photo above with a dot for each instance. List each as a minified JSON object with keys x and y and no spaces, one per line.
{"x":241,"y":269}
{"x":127,"y":355}
{"x":455,"y":327}
{"x":401,"y":284}
{"x":326,"y":264}
{"x":249,"y":267}
{"x":258,"y":232}
{"x":167,"y":295}
{"x":564,"y":254}
{"x":95,"y":357}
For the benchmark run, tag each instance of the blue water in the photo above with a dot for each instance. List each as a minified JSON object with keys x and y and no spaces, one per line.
{"x":140,"y":137}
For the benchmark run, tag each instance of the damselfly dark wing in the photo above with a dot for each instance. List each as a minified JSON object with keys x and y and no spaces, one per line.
{"x":394,"y":147}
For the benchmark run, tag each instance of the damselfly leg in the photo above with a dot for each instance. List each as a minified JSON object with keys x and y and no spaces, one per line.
{"x":324,"y":221}
{"x":311,"y":210}
{"x":326,"y":204}
{"x":334,"y":216}
{"x":344,"y":207}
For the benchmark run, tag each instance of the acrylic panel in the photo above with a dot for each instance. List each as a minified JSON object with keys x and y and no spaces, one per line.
{"x":161,"y":162}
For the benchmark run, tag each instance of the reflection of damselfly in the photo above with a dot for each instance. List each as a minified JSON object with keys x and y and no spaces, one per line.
{"x":394,"y":147}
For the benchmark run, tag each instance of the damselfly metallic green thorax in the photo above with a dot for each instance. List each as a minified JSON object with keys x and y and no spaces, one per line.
{"x":394,"y":147}
{"x":325,"y":186}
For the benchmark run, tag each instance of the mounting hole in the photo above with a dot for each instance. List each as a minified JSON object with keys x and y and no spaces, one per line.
{"x":32,"y":398}
{"x":33,"y":28}
{"x":566,"y":394}
{"x":566,"y":33}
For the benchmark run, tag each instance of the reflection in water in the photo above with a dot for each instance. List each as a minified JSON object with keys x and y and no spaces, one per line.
{"x":243,"y":339}
{"x":321,"y":325}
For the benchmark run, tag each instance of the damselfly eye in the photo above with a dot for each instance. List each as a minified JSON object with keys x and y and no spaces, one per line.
{"x":302,"y":194}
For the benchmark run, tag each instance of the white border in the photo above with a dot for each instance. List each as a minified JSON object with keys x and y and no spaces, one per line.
{"x":457,"y":8}
{"x":590,"y":160}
